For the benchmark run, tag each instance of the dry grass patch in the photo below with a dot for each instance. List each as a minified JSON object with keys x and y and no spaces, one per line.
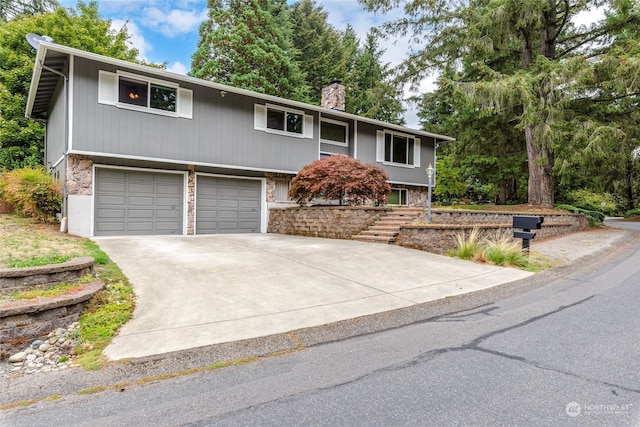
{"x":26,"y":243}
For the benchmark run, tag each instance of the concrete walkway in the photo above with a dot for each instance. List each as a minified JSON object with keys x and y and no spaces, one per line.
{"x":202,"y":290}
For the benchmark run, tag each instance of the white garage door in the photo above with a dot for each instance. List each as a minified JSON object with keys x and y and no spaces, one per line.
{"x":137,"y":202}
{"x":227,"y":205}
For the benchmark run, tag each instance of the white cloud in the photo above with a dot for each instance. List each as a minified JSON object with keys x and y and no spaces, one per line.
{"x":173,"y":22}
{"x":136,"y":39}
{"x":178,"y":68}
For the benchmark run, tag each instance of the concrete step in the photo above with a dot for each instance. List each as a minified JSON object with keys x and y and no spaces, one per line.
{"x":372,"y":239}
{"x":388,"y":234}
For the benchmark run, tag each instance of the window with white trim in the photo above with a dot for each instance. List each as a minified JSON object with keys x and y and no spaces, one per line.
{"x":334,"y":132}
{"x":144,"y":94}
{"x":397,"y":149}
{"x":286,"y":121}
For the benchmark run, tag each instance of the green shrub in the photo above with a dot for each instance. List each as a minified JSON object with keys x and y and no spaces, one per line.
{"x":595,"y":218}
{"x":590,"y":201}
{"x":632,"y":212}
{"x":33,"y":192}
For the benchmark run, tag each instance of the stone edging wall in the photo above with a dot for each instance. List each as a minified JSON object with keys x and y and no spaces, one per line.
{"x":334,"y":222}
{"x":17,"y":279}
{"x":28,"y":320}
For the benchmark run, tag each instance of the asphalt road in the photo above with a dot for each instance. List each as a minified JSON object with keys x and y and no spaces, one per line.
{"x":560,"y":351}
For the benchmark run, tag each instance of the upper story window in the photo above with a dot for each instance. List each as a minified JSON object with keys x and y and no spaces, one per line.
{"x":334,"y":132}
{"x":286,"y":121}
{"x":144,"y":94}
{"x":398,"y":149}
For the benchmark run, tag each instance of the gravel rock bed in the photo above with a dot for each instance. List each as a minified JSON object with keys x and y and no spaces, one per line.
{"x":54,"y":353}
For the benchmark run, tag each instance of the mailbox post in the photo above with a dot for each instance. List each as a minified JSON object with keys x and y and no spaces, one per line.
{"x":526,"y":224}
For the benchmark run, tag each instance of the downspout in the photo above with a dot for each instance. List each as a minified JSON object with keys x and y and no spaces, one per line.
{"x":63,"y":219}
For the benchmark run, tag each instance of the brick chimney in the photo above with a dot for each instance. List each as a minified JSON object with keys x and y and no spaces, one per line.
{"x":333,"y":96}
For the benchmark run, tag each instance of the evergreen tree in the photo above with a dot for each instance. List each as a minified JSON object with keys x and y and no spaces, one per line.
{"x":319,"y":51}
{"x":12,"y":9}
{"x":247,"y":44}
{"x":21,"y":139}
{"x":557,"y":65}
{"x":372,"y":93}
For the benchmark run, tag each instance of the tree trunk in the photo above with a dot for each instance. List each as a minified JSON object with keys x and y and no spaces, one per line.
{"x":629,"y":185}
{"x":540,"y":170}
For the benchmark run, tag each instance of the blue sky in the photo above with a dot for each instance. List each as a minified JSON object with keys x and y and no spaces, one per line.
{"x":167,"y":30}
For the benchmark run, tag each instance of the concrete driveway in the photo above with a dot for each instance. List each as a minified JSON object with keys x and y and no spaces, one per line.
{"x":195,"y":291}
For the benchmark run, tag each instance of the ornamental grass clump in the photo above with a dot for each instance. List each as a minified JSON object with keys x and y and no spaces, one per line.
{"x":504,"y":250}
{"x":467,"y":245}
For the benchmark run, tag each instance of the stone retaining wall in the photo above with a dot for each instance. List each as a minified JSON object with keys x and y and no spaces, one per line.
{"x":28,"y":320}
{"x":334,"y":222}
{"x":440,"y":238}
{"x":443,"y":216}
{"x":343,"y":222}
{"x":18,"y":279}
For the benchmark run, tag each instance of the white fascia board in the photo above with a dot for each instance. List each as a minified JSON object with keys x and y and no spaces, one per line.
{"x":35,"y":78}
{"x":178,"y":162}
{"x":231,"y":89}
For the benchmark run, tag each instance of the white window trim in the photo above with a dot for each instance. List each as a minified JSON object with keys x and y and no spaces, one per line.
{"x":380,"y":147}
{"x":149,"y":81}
{"x":335,"y":122}
{"x":260,"y":121}
{"x":109,"y":84}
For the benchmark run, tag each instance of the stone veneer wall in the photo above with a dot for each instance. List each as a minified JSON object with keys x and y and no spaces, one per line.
{"x":79,"y":175}
{"x":334,"y":222}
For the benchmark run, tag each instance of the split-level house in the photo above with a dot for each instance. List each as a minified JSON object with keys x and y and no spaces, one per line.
{"x":141,"y":150}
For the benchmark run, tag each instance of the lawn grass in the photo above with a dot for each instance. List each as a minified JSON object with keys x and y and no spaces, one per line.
{"x":27,"y":243}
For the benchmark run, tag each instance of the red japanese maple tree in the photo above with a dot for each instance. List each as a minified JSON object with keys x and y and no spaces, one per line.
{"x":340,"y":177}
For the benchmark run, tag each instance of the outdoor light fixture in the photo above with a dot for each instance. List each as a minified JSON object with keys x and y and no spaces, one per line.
{"x":430,"y":172}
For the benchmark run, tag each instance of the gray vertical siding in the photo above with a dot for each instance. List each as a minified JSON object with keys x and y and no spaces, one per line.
{"x":367,"y":154}
{"x":56,"y":127}
{"x":221,"y":131}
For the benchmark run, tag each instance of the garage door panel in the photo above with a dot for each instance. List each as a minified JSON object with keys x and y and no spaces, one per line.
{"x":141,"y":213}
{"x":227,"y":205}
{"x":138,"y":202}
{"x":138,"y":227}
{"x":168,"y":201}
{"x":116,"y":187}
{"x":168,"y":214}
{"x":110,"y":200}
{"x":168,"y":190}
{"x":105,"y":227}
{"x":111,"y":213}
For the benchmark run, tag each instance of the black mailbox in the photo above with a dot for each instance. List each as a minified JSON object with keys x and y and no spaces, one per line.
{"x":526,"y":223}
{"x":528,"y":235}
